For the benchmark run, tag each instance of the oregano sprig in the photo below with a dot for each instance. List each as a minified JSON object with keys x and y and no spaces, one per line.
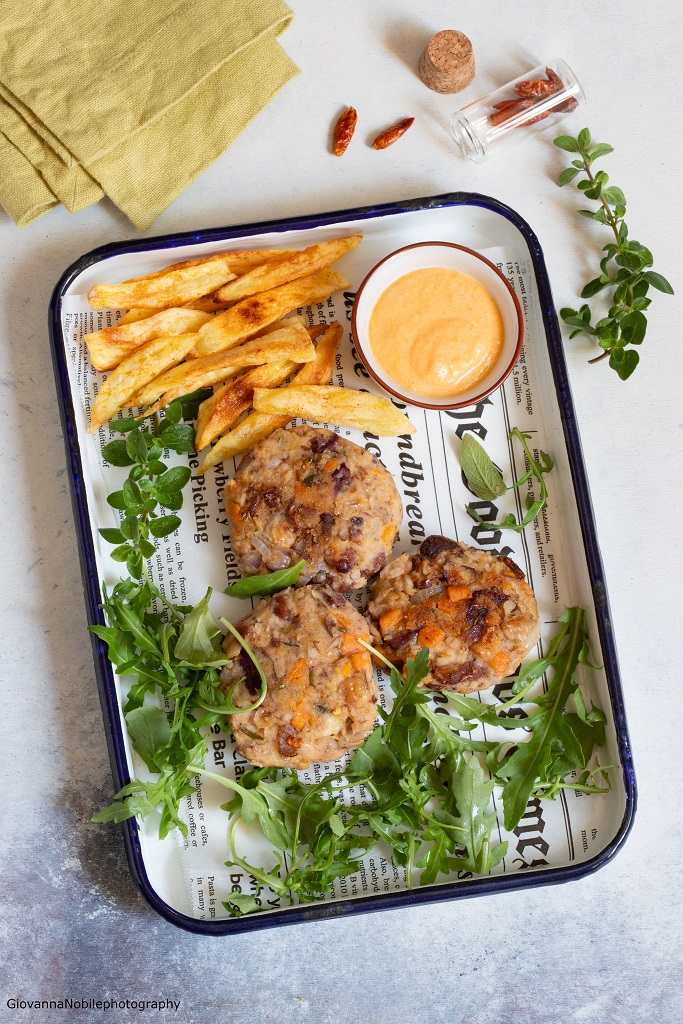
{"x":625,"y":268}
{"x":152,"y":492}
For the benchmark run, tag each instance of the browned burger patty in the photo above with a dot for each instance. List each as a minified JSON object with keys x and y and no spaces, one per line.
{"x":475,"y":612}
{"x":322,"y":697}
{"x":308,"y":493}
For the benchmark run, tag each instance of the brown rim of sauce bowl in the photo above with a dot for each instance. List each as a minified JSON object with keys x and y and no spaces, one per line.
{"x":394,"y":389}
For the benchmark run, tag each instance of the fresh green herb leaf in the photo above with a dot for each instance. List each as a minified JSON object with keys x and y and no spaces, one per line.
{"x":623,"y":270}
{"x":112,"y":536}
{"x":174,"y":479}
{"x":150,"y":484}
{"x":537,"y":469}
{"x":197,"y":643}
{"x":555,"y":747}
{"x":189,"y":404}
{"x":176,"y":656}
{"x":271,"y":583}
{"x":239,"y":903}
{"x":658,"y":282}
{"x":149,"y":729}
{"x":179,"y":437}
{"x":164,"y":525}
{"x":116,"y":454}
{"x":482,"y":476}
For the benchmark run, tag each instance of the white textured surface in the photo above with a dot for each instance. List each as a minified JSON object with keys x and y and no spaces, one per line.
{"x":604,"y":950}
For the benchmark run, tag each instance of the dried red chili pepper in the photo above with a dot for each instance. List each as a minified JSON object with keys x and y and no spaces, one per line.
{"x":535,"y":87}
{"x":505,"y":104}
{"x":529,"y":91}
{"x":571,"y":103}
{"x":343,"y":131}
{"x":511,"y":108}
{"x":554,"y":78}
{"x":390,"y":135}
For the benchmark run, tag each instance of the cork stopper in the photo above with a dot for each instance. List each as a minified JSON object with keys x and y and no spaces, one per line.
{"x":447,"y":64}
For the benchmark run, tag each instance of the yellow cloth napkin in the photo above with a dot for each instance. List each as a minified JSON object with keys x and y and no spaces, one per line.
{"x":128,"y":98}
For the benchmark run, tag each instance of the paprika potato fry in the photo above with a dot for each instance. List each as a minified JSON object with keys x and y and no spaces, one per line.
{"x":299,"y":264}
{"x":108,"y":347}
{"x":209,"y":304}
{"x":289,"y":343}
{"x":146,"y":363}
{"x":241,"y":261}
{"x":342,"y":406}
{"x":218,"y":413}
{"x":133,"y":315}
{"x":258,"y":311}
{"x":256,"y":426}
{"x":170,"y":288}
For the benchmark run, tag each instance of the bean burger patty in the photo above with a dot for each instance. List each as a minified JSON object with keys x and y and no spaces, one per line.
{"x":474,"y":610}
{"x":308,"y":493}
{"x":322,"y":697}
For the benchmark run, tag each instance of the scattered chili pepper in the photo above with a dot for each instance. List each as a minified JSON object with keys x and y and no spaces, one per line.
{"x":343,"y":131}
{"x":390,"y":135}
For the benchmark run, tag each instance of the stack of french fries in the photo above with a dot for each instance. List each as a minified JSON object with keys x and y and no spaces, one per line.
{"x":223,"y":320}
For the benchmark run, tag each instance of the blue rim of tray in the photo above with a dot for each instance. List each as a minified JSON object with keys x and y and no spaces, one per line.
{"x":482,"y":886}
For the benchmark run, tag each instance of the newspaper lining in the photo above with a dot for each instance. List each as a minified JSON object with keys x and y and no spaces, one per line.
{"x":426,"y":468}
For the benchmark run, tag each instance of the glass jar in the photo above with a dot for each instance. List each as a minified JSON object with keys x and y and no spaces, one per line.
{"x":528,"y":105}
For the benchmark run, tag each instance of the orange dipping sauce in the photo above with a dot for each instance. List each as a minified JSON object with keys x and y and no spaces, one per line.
{"x":436,"y":332}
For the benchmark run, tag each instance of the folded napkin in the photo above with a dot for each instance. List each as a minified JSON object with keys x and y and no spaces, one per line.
{"x":128,"y":98}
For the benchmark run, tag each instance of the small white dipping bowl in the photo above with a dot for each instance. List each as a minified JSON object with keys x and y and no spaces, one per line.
{"x":420,"y":256}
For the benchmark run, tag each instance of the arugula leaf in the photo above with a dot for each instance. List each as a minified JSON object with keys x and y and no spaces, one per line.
{"x":470,"y":793}
{"x":146,"y":644}
{"x":149,"y":730}
{"x":559,"y":742}
{"x":196,"y":642}
{"x":270,"y":583}
{"x":239,"y":903}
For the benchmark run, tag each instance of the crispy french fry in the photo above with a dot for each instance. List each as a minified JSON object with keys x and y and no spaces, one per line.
{"x":252,"y":314}
{"x":108,"y":347}
{"x":315,"y":330}
{"x":244,"y":260}
{"x":277,"y":325}
{"x":146,"y":363}
{"x":133,"y":315}
{"x":218,"y":413}
{"x":209,"y":304}
{"x":299,"y":264}
{"x":172,"y":288}
{"x":288,"y":344}
{"x":343,"y":406}
{"x":256,"y":426}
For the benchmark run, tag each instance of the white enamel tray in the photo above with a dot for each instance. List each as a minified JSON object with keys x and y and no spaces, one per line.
{"x":556,"y":840}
